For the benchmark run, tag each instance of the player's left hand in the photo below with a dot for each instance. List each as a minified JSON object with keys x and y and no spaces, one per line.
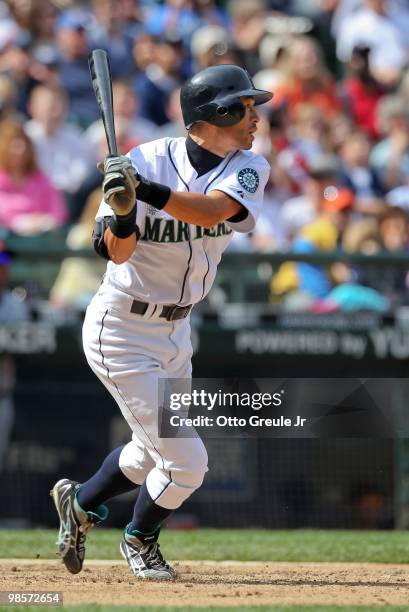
{"x":119,"y":184}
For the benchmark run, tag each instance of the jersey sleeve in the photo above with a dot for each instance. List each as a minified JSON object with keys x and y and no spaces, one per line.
{"x":246,"y":184}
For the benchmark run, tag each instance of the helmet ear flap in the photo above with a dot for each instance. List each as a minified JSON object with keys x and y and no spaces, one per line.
{"x":229,"y":114}
{"x":222,"y":111}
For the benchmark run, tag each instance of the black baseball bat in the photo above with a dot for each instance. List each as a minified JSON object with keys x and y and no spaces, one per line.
{"x":99,"y":67}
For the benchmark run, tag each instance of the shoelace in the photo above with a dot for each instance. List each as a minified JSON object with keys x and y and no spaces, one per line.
{"x":154,"y":556}
{"x":82,"y":529}
{"x":86,"y":526}
{"x":81,"y":543}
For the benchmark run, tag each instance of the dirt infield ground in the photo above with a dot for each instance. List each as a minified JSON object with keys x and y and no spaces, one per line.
{"x":205,"y":583}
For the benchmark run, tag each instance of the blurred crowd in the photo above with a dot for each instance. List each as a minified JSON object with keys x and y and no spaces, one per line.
{"x":336,"y":132}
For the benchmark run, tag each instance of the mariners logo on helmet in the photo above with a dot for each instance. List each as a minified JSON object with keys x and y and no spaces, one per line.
{"x":248,"y":179}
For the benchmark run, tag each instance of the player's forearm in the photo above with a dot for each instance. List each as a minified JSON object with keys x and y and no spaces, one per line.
{"x":195,"y":208}
{"x":119,"y":249}
{"x":200,"y":209}
{"x":115,"y":236}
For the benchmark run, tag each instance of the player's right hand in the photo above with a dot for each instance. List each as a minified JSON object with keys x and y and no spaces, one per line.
{"x":119,"y":184}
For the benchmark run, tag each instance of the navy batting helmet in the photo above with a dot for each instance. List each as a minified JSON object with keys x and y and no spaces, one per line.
{"x":213,"y":95}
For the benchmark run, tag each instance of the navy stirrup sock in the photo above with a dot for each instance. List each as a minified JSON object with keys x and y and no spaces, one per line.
{"x":147,"y":516}
{"x":108,"y":482}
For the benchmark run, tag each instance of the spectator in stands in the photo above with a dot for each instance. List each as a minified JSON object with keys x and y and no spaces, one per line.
{"x":279,"y":128}
{"x":270,"y":233}
{"x":399,"y":195}
{"x":143,"y":51}
{"x":126,"y":105}
{"x":29,"y":204}
{"x":248,"y":29}
{"x":133,"y":17}
{"x":211,"y":46}
{"x":35,"y":17}
{"x":22,"y":13}
{"x":107,"y":31}
{"x":15,"y":61}
{"x":273,"y":52}
{"x":43,"y":24}
{"x":186,"y":16}
{"x":60,"y":148}
{"x":357,"y":174}
{"x":362,"y":236}
{"x":403,"y":90}
{"x":161,"y":77}
{"x":305,"y":142}
{"x":308,"y":80}
{"x":8,"y":98}
{"x":389,"y":233}
{"x":394,"y":230}
{"x":393,"y":282}
{"x":308,"y":132}
{"x":361,"y":93}
{"x":176,"y":126}
{"x":73,"y":45}
{"x":299,"y":211}
{"x":210,"y":12}
{"x":390,"y":157}
{"x":45,"y":66}
{"x":343,"y":9}
{"x":303,"y":283}
{"x":8,"y":27}
{"x":338,"y":129}
{"x":384,"y":34}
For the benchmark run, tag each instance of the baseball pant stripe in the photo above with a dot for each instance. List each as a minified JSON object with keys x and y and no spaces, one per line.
{"x":120,"y":394}
{"x":165,"y":487}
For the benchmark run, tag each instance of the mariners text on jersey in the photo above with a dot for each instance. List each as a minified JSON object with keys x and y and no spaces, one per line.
{"x":171,"y":230}
{"x":175,"y":262}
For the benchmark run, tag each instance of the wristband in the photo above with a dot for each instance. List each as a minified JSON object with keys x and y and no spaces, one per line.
{"x":123,"y":226}
{"x":240,"y":216}
{"x":152,"y":193}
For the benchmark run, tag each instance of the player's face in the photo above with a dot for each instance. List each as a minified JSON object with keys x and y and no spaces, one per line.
{"x":242,"y":134}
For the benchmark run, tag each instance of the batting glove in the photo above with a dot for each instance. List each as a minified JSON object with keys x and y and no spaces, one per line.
{"x":119,"y":184}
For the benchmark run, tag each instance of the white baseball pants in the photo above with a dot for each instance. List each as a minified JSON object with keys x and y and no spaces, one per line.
{"x":130,"y":353}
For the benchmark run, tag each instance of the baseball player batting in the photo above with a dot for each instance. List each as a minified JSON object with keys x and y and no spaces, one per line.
{"x":169,"y":211}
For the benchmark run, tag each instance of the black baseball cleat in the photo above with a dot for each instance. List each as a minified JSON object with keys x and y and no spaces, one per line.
{"x":74,"y":523}
{"x":144,"y":558}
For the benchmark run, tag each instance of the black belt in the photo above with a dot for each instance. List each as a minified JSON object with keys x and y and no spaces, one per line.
{"x":170,"y":313}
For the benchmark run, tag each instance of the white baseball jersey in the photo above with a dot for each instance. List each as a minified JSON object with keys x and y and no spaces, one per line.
{"x":175,"y":262}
